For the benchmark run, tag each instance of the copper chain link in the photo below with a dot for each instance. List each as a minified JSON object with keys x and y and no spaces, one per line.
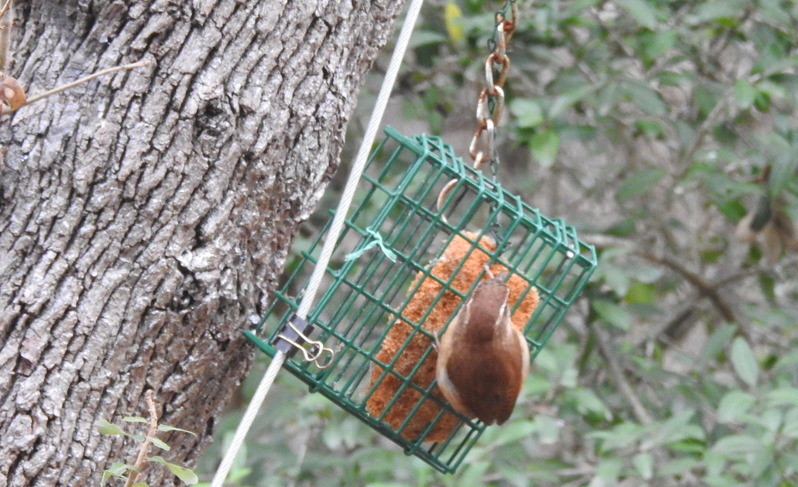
{"x":490,"y":102}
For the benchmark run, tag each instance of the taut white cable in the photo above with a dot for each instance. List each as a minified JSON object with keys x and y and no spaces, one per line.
{"x":362,"y":157}
{"x":249,"y":417}
{"x":329,"y":244}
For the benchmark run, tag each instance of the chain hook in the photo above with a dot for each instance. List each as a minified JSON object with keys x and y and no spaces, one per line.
{"x":490,"y":104}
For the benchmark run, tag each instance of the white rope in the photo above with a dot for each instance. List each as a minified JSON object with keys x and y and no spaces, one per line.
{"x":361,"y":159}
{"x":247,"y":420}
{"x":329,"y":244}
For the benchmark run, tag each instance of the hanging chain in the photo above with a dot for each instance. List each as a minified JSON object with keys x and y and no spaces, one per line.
{"x":490,"y":103}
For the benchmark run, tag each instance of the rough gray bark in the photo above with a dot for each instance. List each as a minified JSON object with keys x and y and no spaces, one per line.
{"x":145,"y":216}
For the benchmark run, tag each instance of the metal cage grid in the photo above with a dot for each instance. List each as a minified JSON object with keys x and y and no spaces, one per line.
{"x":360,"y":298}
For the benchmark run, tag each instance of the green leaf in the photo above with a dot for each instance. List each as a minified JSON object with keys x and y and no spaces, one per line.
{"x":528,"y":113}
{"x":781,"y":174}
{"x":642,"y":293}
{"x":607,"y":472}
{"x":644,"y":463}
{"x":184,"y":474}
{"x":642,"y":11}
{"x":548,"y":429}
{"x":107,"y":428}
{"x":677,"y":467}
{"x":607,"y":98}
{"x":737,"y":445}
{"x":718,"y":10}
{"x":713,"y":463}
{"x":612,"y":313}
{"x":783,"y":396}
{"x":159,"y":443}
{"x":762,"y":101}
{"x":473,"y":474}
{"x":569,"y":98}
{"x":676,"y":428}
{"x":621,"y":436}
{"x":611,"y":272}
{"x":518,"y":430}
{"x":744,"y":94}
{"x":647,"y":99}
{"x":734,"y":405}
{"x":655,"y":44}
{"x":141,"y":484}
{"x":545,"y":145}
{"x":717,"y":341}
{"x":167,"y":428}
{"x":689,"y":445}
{"x":117,"y":469}
{"x":639,"y":183}
{"x":767,"y":283}
{"x":589,"y":404}
{"x":789,"y":427}
{"x":649,"y":128}
{"x":134,"y":419}
{"x":770,"y":419}
{"x":426,"y":37}
{"x":744,"y":361}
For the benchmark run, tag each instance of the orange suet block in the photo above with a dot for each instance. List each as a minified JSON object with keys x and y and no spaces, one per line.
{"x":417,"y":343}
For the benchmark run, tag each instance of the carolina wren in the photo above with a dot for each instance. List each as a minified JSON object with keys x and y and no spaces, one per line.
{"x":482,"y":359}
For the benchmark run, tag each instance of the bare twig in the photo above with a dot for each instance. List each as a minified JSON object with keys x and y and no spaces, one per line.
{"x":5,"y":8}
{"x":124,"y":67}
{"x":703,"y":287}
{"x":141,"y":459}
{"x":640,"y":411}
{"x":6,"y":23}
{"x":706,"y":289}
{"x":782,"y":266}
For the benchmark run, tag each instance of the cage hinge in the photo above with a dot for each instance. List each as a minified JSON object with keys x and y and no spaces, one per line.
{"x":294,"y":335}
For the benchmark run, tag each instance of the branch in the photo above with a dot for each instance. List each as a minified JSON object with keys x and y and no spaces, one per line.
{"x":141,"y":460}
{"x":124,"y":67}
{"x":640,"y":412}
{"x":784,"y":264}
{"x":6,"y":23}
{"x":5,"y":8}
{"x":708,"y":290}
{"x":705,"y":288}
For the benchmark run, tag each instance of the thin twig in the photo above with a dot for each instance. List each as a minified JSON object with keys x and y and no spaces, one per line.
{"x":124,"y":67}
{"x":704,"y":287}
{"x":141,"y":459}
{"x":782,"y":266}
{"x":6,"y":27}
{"x":5,"y":8}
{"x":640,"y":411}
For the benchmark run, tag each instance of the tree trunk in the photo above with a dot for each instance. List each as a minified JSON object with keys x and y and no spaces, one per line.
{"x":145,"y":216}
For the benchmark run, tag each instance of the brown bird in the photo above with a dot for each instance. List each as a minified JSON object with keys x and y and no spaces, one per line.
{"x":482,"y":359}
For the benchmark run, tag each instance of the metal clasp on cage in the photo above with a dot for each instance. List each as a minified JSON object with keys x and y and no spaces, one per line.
{"x":293,"y":336}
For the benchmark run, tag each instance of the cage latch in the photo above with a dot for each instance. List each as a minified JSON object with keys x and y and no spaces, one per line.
{"x":293,"y":336}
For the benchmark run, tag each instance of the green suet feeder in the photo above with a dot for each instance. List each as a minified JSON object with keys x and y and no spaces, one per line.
{"x":402,"y":267}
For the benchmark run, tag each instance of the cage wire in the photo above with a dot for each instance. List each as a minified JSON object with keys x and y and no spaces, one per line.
{"x":401,"y":270}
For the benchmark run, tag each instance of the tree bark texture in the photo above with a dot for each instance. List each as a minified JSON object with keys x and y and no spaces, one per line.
{"x":145,"y":216}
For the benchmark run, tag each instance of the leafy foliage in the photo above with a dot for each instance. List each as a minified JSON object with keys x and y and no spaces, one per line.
{"x":666,"y":132}
{"x":123,"y":471}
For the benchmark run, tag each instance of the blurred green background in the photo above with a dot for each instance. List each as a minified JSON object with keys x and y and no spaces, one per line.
{"x":666,"y":132}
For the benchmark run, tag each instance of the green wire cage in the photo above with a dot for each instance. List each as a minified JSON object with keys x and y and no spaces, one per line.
{"x":383,"y":288}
